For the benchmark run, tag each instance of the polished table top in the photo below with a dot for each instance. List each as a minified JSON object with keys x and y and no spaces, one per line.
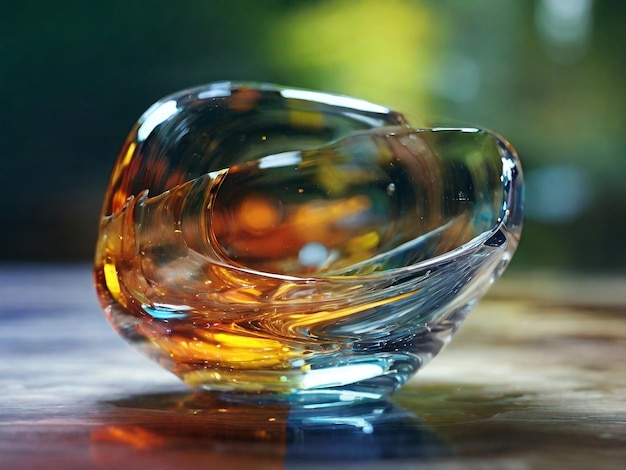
{"x":536,"y":378}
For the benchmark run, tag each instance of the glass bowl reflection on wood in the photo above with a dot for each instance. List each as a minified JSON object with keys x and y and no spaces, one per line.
{"x":297,"y":245}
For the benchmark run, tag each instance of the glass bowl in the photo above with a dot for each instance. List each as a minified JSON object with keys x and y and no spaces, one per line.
{"x":299,"y":246}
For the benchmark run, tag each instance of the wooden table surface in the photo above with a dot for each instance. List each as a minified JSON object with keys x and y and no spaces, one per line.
{"x":535,"y":379}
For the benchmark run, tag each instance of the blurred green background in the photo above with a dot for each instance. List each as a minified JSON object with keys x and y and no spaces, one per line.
{"x":547,"y":74}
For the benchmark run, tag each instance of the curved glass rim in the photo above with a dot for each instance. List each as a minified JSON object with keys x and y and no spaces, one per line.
{"x":223,"y":89}
{"x":443,"y":258}
{"x":472,"y":244}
